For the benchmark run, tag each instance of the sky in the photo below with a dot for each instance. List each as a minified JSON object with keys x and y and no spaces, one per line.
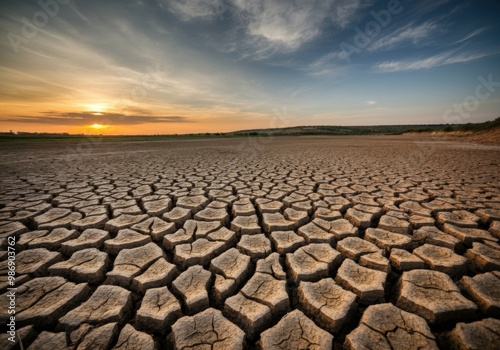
{"x":190,"y":66}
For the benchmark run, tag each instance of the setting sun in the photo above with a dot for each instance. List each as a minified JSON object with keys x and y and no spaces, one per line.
{"x":97,"y":128}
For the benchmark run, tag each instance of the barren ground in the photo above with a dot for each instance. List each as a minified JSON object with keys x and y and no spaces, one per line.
{"x":382,"y":242}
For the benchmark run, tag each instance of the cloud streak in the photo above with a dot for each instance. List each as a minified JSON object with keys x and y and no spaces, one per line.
{"x":429,"y":62}
{"x":410,"y":33}
{"x":471,"y":35}
{"x":89,"y":118}
{"x":188,"y":10}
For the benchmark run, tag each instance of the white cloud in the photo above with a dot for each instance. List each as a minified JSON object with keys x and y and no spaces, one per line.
{"x":194,"y":9}
{"x":325,"y":65}
{"x":370,"y":103}
{"x":270,"y":26}
{"x":429,"y":62}
{"x":289,"y":24}
{"x":284,"y":23}
{"x":471,"y":35}
{"x":344,"y":11}
{"x":410,"y":33}
{"x":465,"y":57}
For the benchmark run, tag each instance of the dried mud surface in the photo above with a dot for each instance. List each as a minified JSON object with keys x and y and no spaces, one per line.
{"x":260,"y":243}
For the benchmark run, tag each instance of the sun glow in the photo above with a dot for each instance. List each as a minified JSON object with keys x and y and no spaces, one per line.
{"x":96,"y":109}
{"x":97,"y":128}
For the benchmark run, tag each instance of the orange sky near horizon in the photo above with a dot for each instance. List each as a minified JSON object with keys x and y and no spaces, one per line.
{"x":98,"y":122}
{"x":29,"y":103}
{"x":180,"y":66}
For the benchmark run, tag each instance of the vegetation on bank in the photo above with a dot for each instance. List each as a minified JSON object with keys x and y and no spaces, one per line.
{"x":370,"y":130}
{"x":290,"y":131}
{"x":490,"y":125}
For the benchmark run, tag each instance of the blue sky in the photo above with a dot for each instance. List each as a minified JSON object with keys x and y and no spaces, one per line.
{"x":161,"y":66}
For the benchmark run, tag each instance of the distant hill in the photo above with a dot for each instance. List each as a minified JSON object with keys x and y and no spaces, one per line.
{"x":369,"y":130}
{"x":492,"y":128}
{"x":486,"y":126}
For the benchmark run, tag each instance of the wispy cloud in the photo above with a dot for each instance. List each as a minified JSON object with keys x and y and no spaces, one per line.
{"x":443,"y":59}
{"x":324,"y":66}
{"x":471,"y":35}
{"x":193,"y":9}
{"x":329,"y":64}
{"x":88,"y":118}
{"x":409,"y":33}
{"x":423,"y":7}
{"x":344,"y":11}
{"x":460,"y":7}
{"x":284,"y":23}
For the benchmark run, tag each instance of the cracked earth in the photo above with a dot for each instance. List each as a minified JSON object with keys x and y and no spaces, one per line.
{"x":306,"y":243}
